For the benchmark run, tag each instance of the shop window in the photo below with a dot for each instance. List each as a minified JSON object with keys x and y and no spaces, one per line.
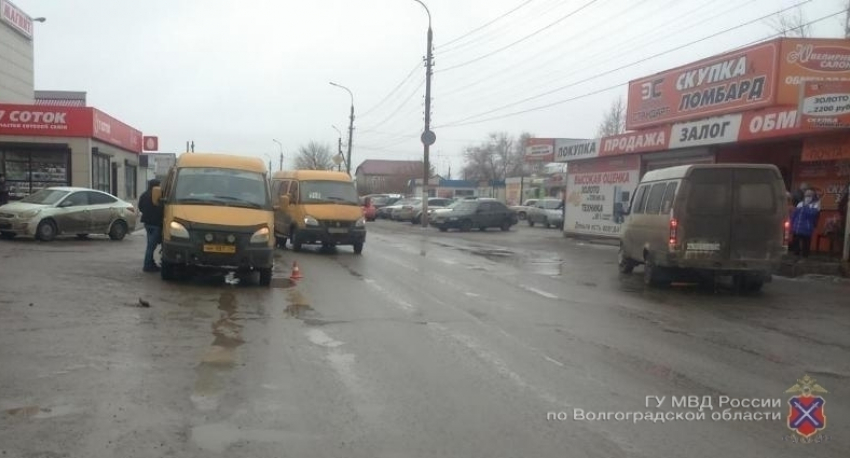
{"x":100,"y":172}
{"x":669,"y":195}
{"x":130,"y":181}
{"x":653,"y":204}
{"x":30,"y":170}
{"x":464,"y":193}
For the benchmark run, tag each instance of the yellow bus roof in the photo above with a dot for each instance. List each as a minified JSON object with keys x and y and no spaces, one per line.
{"x":312,"y":175}
{"x":228,"y":161}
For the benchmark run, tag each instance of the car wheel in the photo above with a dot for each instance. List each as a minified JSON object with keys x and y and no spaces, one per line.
{"x":167,"y":271}
{"x":358,"y":248}
{"x":416,"y":220}
{"x":7,"y":235}
{"x":118,"y":230}
{"x":506,"y":226}
{"x":466,"y":226}
{"x":625,"y":265}
{"x":546,"y":223}
{"x":265,"y":277}
{"x":46,"y":231}
{"x":296,"y":241}
{"x":521,"y":216}
{"x":444,"y":229}
{"x":530,"y":223}
{"x":82,"y":236}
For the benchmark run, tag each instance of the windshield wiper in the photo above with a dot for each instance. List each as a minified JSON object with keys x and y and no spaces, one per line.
{"x":195,"y":201}
{"x":341,"y":199}
{"x":238,"y":200}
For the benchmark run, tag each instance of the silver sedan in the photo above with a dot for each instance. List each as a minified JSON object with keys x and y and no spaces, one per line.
{"x":57,"y":211}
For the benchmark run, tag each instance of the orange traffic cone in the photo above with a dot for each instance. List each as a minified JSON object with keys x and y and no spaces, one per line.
{"x":296,"y":272}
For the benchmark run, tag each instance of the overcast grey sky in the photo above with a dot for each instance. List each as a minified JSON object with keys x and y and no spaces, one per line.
{"x":234,"y":75}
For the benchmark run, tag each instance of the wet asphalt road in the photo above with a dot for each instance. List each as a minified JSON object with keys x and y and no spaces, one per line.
{"x":427,"y":345}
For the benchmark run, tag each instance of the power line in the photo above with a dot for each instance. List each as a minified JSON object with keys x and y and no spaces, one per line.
{"x":510,"y":45}
{"x":526,"y":2}
{"x":395,"y":89}
{"x":384,"y":121}
{"x":622,"y":67}
{"x":563,"y":101}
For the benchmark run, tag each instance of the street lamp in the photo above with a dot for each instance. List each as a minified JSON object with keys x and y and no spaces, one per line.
{"x":280,"y":147}
{"x":350,"y":126}
{"x":40,"y":19}
{"x":428,"y":136}
{"x":339,"y":157}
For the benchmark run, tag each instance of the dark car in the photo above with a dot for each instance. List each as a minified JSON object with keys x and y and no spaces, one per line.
{"x":481,"y":214}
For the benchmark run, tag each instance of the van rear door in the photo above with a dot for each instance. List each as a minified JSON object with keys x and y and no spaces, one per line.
{"x":706,"y":225}
{"x":757,"y":219}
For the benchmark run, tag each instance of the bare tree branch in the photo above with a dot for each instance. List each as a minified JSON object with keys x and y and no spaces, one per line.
{"x":614,"y":121}
{"x":792,"y":24}
{"x":314,"y":156}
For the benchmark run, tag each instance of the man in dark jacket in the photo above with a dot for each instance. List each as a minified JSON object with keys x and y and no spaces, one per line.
{"x":152,"y":219}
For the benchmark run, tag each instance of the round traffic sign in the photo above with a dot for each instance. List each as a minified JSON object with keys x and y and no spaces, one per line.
{"x":428,"y":137}
{"x":337,"y":159}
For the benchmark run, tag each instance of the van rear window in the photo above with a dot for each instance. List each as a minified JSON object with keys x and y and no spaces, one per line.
{"x":755,"y":191}
{"x":710,"y":192}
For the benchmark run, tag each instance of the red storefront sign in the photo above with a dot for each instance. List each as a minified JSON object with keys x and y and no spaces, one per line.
{"x":16,"y":18}
{"x":810,"y":59}
{"x":115,"y":132}
{"x":150,"y":143}
{"x":49,"y":121}
{"x":728,"y":83}
{"x":769,"y":123}
{"x":636,"y":142}
{"x":832,"y":148}
{"x":45,"y":121}
{"x":539,"y":150}
{"x":825,"y":104}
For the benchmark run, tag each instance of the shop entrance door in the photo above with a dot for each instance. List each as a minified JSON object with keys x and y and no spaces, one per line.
{"x":114,"y":180}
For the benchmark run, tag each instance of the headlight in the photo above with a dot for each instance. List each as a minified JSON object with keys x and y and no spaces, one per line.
{"x":29,"y":213}
{"x":360,"y":222}
{"x":453,"y":218}
{"x":261,"y":236}
{"x":310,"y":221}
{"x":178,"y":230}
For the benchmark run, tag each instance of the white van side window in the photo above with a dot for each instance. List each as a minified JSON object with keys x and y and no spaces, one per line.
{"x":640,"y":199}
{"x":669,"y":195}
{"x":653,"y":204}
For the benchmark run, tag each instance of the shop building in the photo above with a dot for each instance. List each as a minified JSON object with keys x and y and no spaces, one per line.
{"x":51,"y":138}
{"x":781,"y":102}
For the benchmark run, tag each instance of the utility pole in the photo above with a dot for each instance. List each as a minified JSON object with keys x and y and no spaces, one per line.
{"x":339,"y":166}
{"x":428,"y":136}
{"x":350,"y":134}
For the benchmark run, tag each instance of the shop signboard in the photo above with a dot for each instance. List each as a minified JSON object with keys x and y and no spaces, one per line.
{"x":810,"y":59}
{"x":539,"y":149}
{"x":112,"y":131}
{"x":45,"y":121}
{"x":731,"y":82}
{"x":773,"y":122}
{"x":16,"y":18}
{"x":151,"y":143}
{"x":646,"y":140}
{"x":568,"y":149}
{"x":825,"y":104}
{"x":831,"y":148}
{"x":711,"y":131}
{"x":597,"y":192}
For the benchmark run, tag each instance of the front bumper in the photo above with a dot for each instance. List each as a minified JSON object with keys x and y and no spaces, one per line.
{"x":245,"y":256}
{"x":320,"y":234}
{"x":19,"y":226}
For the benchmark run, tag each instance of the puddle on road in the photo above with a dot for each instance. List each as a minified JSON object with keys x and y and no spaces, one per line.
{"x":221,"y":354}
{"x":38,"y":412}
{"x":298,"y":305}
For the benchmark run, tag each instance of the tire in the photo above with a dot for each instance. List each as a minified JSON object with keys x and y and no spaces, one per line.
{"x":118,"y":230}
{"x":265,"y":277}
{"x":7,"y":235}
{"x":483,"y":228}
{"x":82,"y":236}
{"x":416,"y":220}
{"x":46,"y":231}
{"x":444,"y":229}
{"x":746,"y":283}
{"x":521,"y":216}
{"x":624,"y":264}
{"x":546,"y":223}
{"x":281,"y":241}
{"x":506,"y":226}
{"x":358,"y":248}
{"x":530,"y":223}
{"x":167,"y":271}
{"x":466,"y":225}
{"x":296,"y":241}
{"x":654,"y":276}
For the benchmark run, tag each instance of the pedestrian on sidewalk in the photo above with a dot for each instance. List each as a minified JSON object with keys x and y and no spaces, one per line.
{"x":4,"y":190}
{"x":799,"y":194}
{"x":803,"y":223}
{"x":152,"y":216}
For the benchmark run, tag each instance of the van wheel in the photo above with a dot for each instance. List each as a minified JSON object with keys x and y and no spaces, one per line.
{"x":167,"y":271}
{"x":265,"y":277}
{"x":626,"y":265}
{"x":296,"y":241}
{"x":748,"y":283}
{"x":358,"y":248}
{"x":281,"y":241}
{"x":654,"y":275}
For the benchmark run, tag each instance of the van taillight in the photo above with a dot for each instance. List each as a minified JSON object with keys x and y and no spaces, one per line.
{"x":786,"y":233}
{"x":674,"y":231}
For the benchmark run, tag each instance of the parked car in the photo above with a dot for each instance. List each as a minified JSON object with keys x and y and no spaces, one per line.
{"x":405,"y":211}
{"x":707,"y":220}
{"x":547,"y":212}
{"x":433,"y":204}
{"x":478,"y":213}
{"x":433,"y":212}
{"x":388,"y":211}
{"x":383,"y":204}
{"x":56,"y":211}
{"x":522,"y":210}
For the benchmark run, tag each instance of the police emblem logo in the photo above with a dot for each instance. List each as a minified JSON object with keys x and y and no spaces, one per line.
{"x":806,"y":415}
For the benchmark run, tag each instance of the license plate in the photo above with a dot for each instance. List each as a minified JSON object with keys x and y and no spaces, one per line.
{"x":337,"y":230}
{"x":219,"y":249}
